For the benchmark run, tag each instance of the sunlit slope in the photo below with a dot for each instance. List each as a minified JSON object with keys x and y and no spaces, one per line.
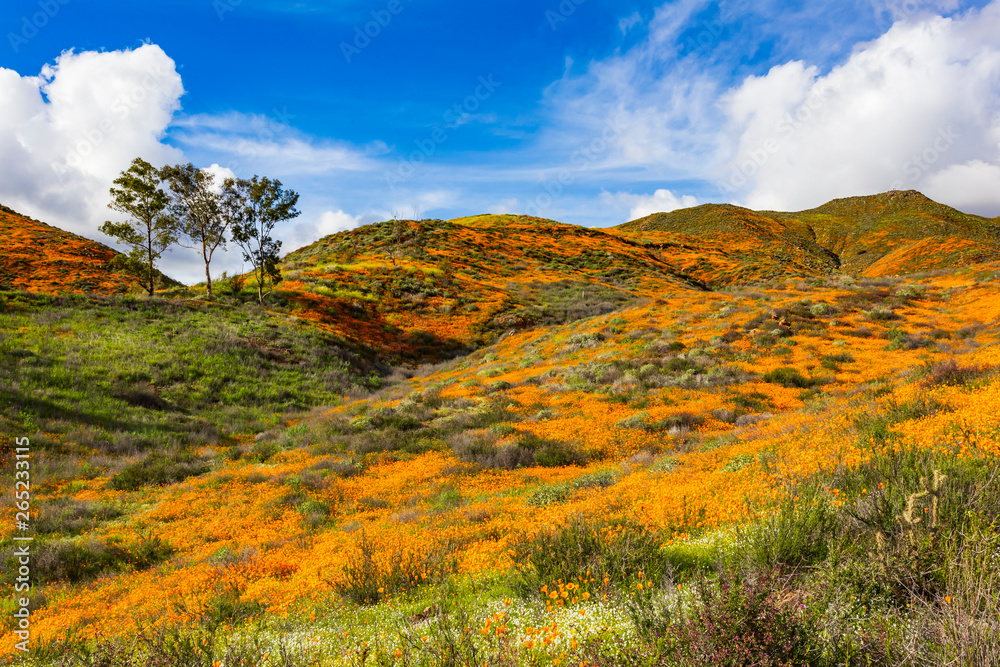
{"x":724,"y":244}
{"x":464,"y":281}
{"x":900,"y":232}
{"x":37,"y":257}
{"x":893,"y":233}
{"x":676,"y":415}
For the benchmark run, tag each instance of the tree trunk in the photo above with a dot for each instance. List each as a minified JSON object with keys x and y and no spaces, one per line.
{"x":208,"y":275}
{"x":149,"y":257}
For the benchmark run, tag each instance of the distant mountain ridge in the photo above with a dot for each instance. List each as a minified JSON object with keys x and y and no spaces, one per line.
{"x":892,"y":233}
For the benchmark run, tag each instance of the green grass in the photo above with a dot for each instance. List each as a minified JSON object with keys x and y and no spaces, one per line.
{"x":123,"y":376}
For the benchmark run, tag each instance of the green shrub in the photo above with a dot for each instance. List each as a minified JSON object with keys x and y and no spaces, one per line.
{"x":264,"y":450}
{"x":363,"y":581}
{"x":66,"y":516}
{"x":503,"y":428}
{"x":738,"y":462}
{"x":797,"y":534}
{"x":881,"y":313}
{"x":788,"y":377}
{"x":736,"y":622}
{"x":549,"y":494}
{"x":583,"y":546}
{"x":77,"y":560}
{"x":555,"y":454}
{"x":638,"y":420}
{"x":680,"y":421}
{"x":833,"y":361}
{"x":951,"y":374}
{"x":598,"y":479}
{"x":159,"y":469}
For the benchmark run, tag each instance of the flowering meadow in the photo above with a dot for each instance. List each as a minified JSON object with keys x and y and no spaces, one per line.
{"x":570,"y":451}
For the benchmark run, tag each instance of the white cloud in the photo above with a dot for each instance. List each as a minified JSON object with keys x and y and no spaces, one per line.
{"x":629,"y":22}
{"x":905,"y":111}
{"x":219,"y":175}
{"x":332,"y":222}
{"x":661,"y":201}
{"x":248,"y":143}
{"x":328,"y":222}
{"x":973,"y":187}
{"x":67,"y":133}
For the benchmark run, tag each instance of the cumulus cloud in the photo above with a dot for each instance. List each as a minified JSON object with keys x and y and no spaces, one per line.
{"x":971,"y":187}
{"x":219,"y":175}
{"x":661,"y":201}
{"x":917,"y":108}
{"x":328,"y":222}
{"x":67,"y":132}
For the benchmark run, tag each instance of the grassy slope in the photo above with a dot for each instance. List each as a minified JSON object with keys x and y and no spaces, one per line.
{"x":113,"y":378}
{"x":658,"y":422}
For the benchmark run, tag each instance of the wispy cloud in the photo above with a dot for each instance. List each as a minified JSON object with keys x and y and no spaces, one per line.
{"x":253,"y":141}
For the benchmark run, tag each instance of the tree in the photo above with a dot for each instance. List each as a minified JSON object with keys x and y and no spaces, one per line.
{"x":150,"y":229}
{"x":397,"y":236}
{"x":254,"y":207}
{"x":198,"y":206}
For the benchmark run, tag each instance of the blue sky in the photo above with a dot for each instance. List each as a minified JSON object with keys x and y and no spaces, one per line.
{"x":586,"y":111}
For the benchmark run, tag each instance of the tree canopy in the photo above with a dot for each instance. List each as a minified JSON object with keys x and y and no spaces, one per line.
{"x":150,"y":228}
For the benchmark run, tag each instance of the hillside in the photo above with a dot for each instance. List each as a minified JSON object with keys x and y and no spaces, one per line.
{"x":420,"y":287}
{"x":599,"y":451}
{"x":894,"y":233}
{"x":40,"y":258}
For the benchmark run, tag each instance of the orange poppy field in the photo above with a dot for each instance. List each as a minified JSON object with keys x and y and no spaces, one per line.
{"x":712,"y":436}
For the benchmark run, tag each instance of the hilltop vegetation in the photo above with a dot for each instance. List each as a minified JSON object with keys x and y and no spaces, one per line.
{"x":649,"y":445}
{"x":43,"y":259}
{"x":895,"y":233}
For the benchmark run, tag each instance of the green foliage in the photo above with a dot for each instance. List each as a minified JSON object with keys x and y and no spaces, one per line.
{"x":951,"y":374}
{"x":149,"y":230}
{"x":734,"y":622}
{"x":788,"y":377}
{"x":549,"y":494}
{"x":198,"y":210}
{"x":582,"y":546}
{"x":67,"y":517}
{"x":738,"y":462}
{"x":833,"y":361}
{"x":551,"y":453}
{"x":159,"y":468}
{"x":75,"y":560}
{"x":156,"y":374}
{"x":263,"y":451}
{"x":797,"y":534}
{"x":364,"y":581}
{"x":882,"y":313}
{"x":254,"y":207}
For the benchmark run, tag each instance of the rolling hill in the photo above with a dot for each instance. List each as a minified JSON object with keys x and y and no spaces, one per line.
{"x":508,"y":440}
{"x":38,"y":257}
{"x":894,"y":233}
